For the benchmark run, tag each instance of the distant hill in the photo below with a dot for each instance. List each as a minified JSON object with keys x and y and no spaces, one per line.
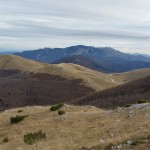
{"x":83,"y":61}
{"x":131,"y":75}
{"x":90,"y":78}
{"x":103,"y":59}
{"x":26,"y":82}
{"x":9,"y":62}
{"x":122,"y":95}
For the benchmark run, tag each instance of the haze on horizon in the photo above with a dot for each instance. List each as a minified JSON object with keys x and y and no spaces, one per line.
{"x":31,"y":24}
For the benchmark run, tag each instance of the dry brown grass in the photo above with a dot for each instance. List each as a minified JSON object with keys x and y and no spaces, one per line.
{"x":96,"y":80}
{"x":131,"y":75}
{"x":18,"y":63}
{"x":79,"y":127}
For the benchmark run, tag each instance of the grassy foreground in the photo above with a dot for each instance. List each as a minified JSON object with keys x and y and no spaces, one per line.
{"x":83,"y":127}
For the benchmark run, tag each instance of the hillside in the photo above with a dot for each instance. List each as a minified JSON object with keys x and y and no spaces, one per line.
{"x":121,"y":95}
{"x":19,"y":89}
{"x":91,"y":78}
{"x":131,"y":75}
{"x":24,"y":82}
{"x":104,"y":59}
{"x":9,"y":62}
{"x":79,"y":128}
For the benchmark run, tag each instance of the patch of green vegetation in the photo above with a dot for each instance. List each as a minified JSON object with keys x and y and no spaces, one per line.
{"x":61,"y":112}
{"x":17,"y":119}
{"x":114,"y":108}
{"x":20,"y":111}
{"x":31,"y":138}
{"x":5,"y":140}
{"x":56,"y":107}
{"x":140,"y":141}
{"x":134,"y":143}
{"x":128,"y":105}
{"x":143,"y":101}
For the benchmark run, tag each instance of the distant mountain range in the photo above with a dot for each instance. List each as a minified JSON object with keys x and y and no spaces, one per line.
{"x":103,"y":59}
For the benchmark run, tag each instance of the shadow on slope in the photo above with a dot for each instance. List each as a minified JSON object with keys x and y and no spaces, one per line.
{"x":21,"y":89}
{"x":121,"y":95}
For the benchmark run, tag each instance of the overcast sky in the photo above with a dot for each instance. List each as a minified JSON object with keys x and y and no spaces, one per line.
{"x":31,"y":24}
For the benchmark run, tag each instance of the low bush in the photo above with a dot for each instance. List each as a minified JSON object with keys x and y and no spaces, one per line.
{"x":143,"y":101}
{"x":61,"y":112}
{"x":5,"y":140}
{"x":56,"y":107}
{"x":31,"y":138}
{"x":128,"y":105}
{"x":17,"y":119}
{"x":138,"y":141}
{"x":20,"y":111}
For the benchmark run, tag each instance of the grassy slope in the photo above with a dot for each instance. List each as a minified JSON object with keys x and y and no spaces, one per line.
{"x":16,"y":62}
{"x":131,"y":75}
{"x":80,"y":127}
{"x":91,"y":78}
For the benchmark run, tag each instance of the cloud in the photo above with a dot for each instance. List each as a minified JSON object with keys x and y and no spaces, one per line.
{"x":30,"y":24}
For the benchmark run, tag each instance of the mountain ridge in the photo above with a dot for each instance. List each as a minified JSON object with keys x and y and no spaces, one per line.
{"x":112,"y":60}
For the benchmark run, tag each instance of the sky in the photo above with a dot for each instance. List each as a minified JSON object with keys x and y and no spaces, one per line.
{"x":32,"y":24}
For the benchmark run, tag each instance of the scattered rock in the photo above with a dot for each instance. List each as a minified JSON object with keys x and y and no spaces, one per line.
{"x":129,"y":142}
{"x":131,"y":114}
{"x":117,"y":147}
{"x":101,"y":141}
{"x":147,"y":115}
{"x":141,"y":128}
{"x":144,"y":106}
